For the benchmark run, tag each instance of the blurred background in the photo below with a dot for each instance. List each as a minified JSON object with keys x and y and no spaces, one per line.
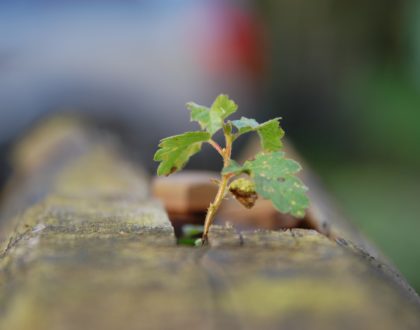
{"x":344,"y":75}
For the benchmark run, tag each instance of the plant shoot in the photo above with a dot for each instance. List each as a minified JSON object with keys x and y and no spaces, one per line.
{"x":269,"y":174}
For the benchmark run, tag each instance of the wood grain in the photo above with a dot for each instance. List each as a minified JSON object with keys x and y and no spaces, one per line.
{"x":83,"y":246}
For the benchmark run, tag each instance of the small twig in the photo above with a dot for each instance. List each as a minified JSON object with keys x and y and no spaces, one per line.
{"x":216,"y":146}
{"x":221,"y":193}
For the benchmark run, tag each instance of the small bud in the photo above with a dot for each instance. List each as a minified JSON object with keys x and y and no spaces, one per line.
{"x":227,"y":128}
{"x":244,"y":192}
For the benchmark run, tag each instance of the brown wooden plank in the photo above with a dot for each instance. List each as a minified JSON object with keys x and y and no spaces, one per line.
{"x":85,"y":247}
{"x":299,"y":279}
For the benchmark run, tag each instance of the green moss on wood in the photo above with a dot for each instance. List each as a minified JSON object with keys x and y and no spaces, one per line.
{"x":96,"y":253}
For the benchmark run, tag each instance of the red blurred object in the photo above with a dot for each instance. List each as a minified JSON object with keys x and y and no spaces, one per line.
{"x":236,"y":44}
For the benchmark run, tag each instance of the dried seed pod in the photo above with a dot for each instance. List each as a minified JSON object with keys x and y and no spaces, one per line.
{"x":244,"y":192}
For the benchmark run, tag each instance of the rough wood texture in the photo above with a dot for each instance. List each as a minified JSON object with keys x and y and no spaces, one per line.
{"x":84,"y":247}
{"x":324,"y":215}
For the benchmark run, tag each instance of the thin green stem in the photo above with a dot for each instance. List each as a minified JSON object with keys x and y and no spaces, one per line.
{"x":216,"y":146}
{"x":214,"y":206}
{"x":221,"y":193}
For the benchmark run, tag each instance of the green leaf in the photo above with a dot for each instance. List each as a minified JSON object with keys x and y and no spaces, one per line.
{"x":233,"y":168}
{"x":270,"y":132}
{"x":245,"y":125}
{"x":211,"y":119}
{"x":175,"y":151}
{"x":273,"y":165}
{"x":287,"y":195}
{"x":224,"y":106}
{"x":274,"y":177}
{"x":208,"y":120}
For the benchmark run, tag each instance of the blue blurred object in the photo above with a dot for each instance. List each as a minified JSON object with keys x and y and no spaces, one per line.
{"x":133,"y":63}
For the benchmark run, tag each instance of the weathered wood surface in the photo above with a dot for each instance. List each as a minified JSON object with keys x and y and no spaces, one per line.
{"x":84,"y":247}
{"x":323,"y":214}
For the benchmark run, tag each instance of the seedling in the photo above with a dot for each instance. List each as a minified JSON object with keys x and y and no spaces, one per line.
{"x":269,"y":174}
